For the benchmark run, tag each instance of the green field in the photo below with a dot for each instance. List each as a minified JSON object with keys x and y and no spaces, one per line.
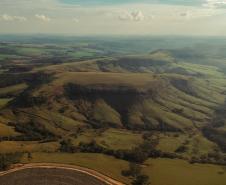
{"x":111,"y":138}
{"x":171,"y":172}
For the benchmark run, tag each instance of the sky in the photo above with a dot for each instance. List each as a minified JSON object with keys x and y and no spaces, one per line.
{"x":114,"y":17}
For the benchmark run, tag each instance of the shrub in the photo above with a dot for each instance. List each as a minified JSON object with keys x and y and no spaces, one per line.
{"x":8,"y":159}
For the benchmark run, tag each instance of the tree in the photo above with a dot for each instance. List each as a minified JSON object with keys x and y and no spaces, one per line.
{"x":3,"y":162}
{"x":133,"y":171}
{"x":67,"y":146}
{"x":141,"y":180}
{"x":29,"y":156}
{"x":8,"y":159}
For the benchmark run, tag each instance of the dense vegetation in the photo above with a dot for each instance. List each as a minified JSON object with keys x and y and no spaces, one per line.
{"x":8,"y":159}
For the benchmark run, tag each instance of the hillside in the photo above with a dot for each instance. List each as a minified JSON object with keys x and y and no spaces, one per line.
{"x":132,"y":107}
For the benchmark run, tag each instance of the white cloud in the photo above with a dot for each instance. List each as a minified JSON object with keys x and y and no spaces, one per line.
{"x":42,"y":18}
{"x":187,"y":15}
{"x":166,"y":19}
{"x":6,"y":17}
{"x":215,"y":4}
{"x":76,"y":20}
{"x":193,"y":14}
{"x":132,"y":16}
{"x":138,"y":16}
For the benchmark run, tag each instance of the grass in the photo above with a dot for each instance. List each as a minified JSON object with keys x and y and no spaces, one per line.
{"x":80,"y":54}
{"x":94,"y":78}
{"x":196,"y":109}
{"x":4,"y":101}
{"x":31,"y":51}
{"x":153,"y":111}
{"x":104,"y":164}
{"x":53,"y":121}
{"x":179,"y":172}
{"x":205,"y":146}
{"x":11,"y":90}
{"x":169,"y":143}
{"x":103,"y":113}
{"x":159,"y":105}
{"x":62,"y":121}
{"x":111,"y":138}
{"x":27,"y":146}
{"x":6,"y":130}
{"x":119,"y":139}
{"x":188,"y":112}
{"x":209,"y":71}
{"x":7,"y":56}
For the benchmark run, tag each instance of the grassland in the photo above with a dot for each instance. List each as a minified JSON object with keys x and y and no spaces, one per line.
{"x":13,"y":90}
{"x":111,"y":138}
{"x":121,"y":103}
{"x":6,"y":131}
{"x":97,"y":78}
{"x":171,"y":172}
{"x":27,"y":146}
{"x":4,"y":102}
{"x":170,"y":142}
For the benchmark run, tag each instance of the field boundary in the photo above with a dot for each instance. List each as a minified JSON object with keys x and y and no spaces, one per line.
{"x":80,"y":169}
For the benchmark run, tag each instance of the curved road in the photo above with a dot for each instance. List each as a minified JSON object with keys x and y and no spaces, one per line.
{"x":103,"y":178}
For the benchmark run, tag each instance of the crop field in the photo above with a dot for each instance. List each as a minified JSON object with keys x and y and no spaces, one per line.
{"x":41,"y":176}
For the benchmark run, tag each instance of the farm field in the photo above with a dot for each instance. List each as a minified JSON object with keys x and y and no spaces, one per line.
{"x":40,"y":176}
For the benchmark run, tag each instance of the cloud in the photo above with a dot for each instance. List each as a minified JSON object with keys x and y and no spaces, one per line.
{"x":75,"y":20}
{"x":215,"y":4}
{"x":187,"y":14}
{"x":6,"y":17}
{"x":197,"y":14}
{"x":132,"y":16}
{"x":42,"y":18}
